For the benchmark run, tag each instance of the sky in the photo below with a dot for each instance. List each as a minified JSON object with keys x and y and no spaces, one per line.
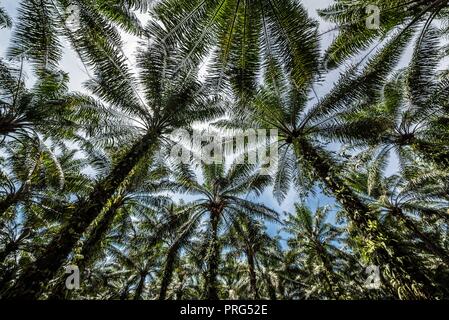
{"x":73,"y":66}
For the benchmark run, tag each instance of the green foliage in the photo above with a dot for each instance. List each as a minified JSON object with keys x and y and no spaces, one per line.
{"x":88,"y":179}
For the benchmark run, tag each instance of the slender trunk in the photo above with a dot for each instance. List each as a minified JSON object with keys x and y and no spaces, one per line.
{"x":88,"y":249}
{"x":124,"y":293}
{"x":180,"y":289}
{"x":430,"y":245}
{"x":213,"y":259}
{"x":271,"y":288}
{"x":140,"y":287}
{"x":405,"y":269}
{"x":35,"y":277}
{"x":168,"y":269}
{"x":329,"y":269}
{"x":252,"y":274}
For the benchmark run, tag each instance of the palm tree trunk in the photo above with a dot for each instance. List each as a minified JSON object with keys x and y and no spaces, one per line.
{"x":213,"y":259}
{"x":270,"y":287}
{"x":431,"y":246}
{"x":406,"y":269}
{"x":88,"y":249}
{"x":125,"y":291}
{"x":140,"y":287}
{"x":35,"y":277}
{"x":98,"y":234}
{"x":252,"y":275}
{"x":329,"y":269}
{"x":168,"y":269}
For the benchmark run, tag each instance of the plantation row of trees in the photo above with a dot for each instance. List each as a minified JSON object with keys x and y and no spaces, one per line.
{"x":86,"y":178}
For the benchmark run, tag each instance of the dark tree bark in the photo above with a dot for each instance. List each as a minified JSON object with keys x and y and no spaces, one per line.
{"x":252,"y":274}
{"x":140,"y":287}
{"x":168,"y":269}
{"x":214,"y":258}
{"x":89,"y":247}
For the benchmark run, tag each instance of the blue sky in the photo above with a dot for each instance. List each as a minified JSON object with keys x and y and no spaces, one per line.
{"x":78,"y":75}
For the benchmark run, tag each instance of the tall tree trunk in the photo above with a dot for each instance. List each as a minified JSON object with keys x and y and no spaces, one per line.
{"x":88,"y":248}
{"x":430,"y":245}
{"x":168,"y":269}
{"x":270,"y":287}
{"x":125,"y":291}
{"x":406,"y":270}
{"x":329,"y":269}
{"x":140,"y":287}
{"x":252,"y":274}
{"x":35,"y":277}
{"x":213,"y":258}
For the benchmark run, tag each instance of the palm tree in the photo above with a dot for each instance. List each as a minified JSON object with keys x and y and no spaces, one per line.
{"x":138,"y":199}
{"x":414,"y":198}
{"x":303,"y":129}
{"x":5,"y":20}
{"x":90,"y":26}
{"x":354,"y":35}
{"x":315,"y":244}
{"x":176,"y":217}
{"x":172,"y":101}
{"x":48,"y":108}
{"x":221,"y":200}
{"x":244,"y":37}
{"x":40,"y":174}
{"x":411,"y":109}
{"x":139,"y":263}
{"x":248,"y":236}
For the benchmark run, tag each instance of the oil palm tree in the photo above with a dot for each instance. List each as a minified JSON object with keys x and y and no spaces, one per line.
{"x":244,"y":37}
{"x":411,"y":109}
{"x":40,"y":174}
{"x":171,"y":101}
{"x":138,"y":263}
{"x":138,"y":199}
{"x":315,"y":245}
{"x":248,"y":236}
{"x":39,"y":180}
{"x":90,"y":26}
{"x":303,"y":129}
{"x":221,"y":200}
{"x":5,"y":20}
{"x":415,"y":197}
{"x":354,"y":36}
{"x":48,"y":108}
{"x":175,"y":218}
